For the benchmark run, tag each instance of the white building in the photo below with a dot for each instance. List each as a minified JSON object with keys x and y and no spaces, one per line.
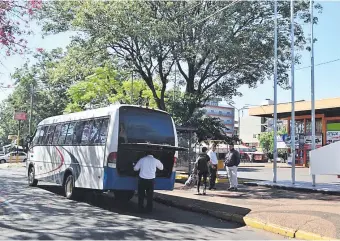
{"x":250,"y":128}
{"x":225,"y":113}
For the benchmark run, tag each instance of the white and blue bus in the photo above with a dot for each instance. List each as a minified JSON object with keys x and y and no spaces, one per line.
{"x":97,"y":149}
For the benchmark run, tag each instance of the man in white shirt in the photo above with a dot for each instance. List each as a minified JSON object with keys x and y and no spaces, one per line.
{"x":213,"y":166}
{"x":147,"y":172}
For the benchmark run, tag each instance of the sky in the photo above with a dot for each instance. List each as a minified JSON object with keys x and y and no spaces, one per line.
{"x":327,"y":77}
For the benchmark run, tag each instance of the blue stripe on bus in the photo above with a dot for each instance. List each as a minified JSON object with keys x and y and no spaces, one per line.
{"x":112,"y":180}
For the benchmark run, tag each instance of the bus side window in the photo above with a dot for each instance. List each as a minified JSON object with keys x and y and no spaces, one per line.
{"x":50,"y":134}
{"x":56,"y":134}
{"x":99,"y":131}
{"x":36,"y":136}
{"x":95,"y":132}
{"x":78,"y":132}
{"x":103,"y":131}
{"x":85,"y":138}
{"x":63,"y":132}
{"x":42,"y":134}
{"x":69,"y":134}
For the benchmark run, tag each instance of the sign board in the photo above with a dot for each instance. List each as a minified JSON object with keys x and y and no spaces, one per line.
{"x":20,"y":116}
{"x":318,"y":141}
{"x":12,"y":137}
{"x":305,"y":141}
{"x":332,"y":136}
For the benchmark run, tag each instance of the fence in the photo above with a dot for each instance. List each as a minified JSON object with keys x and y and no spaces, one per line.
{"x":186,"y":159}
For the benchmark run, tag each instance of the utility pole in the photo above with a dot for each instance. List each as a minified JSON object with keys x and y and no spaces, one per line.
{"x":132,"y":88}
{"x":292,"y":131}
{"x":312,"y":82}
{"x":275,"y":94}
{"x":31,"y":111}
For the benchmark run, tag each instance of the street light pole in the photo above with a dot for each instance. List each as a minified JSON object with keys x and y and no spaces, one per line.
{"x":275,"y":95}
{"x":132,"y":88}
{"x":292,"y":90}
{"x":312,"y":82}
{"x":31,"y":111}
{"x":239,"y":123}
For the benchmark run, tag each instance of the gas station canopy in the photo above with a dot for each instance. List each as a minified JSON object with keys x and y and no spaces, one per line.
{"x":329,"y":107}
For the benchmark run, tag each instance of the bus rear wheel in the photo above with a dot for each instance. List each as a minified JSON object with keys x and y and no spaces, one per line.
{"x":123,"y":195}
{"x":32,"y":182}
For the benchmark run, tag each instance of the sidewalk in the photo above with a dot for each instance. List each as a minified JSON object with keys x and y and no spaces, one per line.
{"x":289,"y":213}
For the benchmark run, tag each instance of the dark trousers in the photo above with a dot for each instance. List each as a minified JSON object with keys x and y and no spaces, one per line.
{"x":145,"y":188}
{"x":200,"y":175}
{"x":213,"y":172}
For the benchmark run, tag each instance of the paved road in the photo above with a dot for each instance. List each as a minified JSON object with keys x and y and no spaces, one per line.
{"x":42,"y":213}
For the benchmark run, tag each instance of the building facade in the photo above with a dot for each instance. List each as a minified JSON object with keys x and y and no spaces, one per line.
{"x":251,"y":128}
{"x":225,"y":113}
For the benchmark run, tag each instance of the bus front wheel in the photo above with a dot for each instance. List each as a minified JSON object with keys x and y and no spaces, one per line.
{"x":123,"y":195}
{"x":69,"y":187}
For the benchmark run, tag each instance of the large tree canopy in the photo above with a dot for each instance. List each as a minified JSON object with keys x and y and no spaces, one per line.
{"x":214,"y":55}
{"x":108,"y":86}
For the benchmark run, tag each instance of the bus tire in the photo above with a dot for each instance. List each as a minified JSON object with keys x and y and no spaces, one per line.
{"x":32,"y":182}
{"x":123,"y":195}
{"x":69,"y":188}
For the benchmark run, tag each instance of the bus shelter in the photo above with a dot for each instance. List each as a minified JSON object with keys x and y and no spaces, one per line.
{"x":327,"y":124}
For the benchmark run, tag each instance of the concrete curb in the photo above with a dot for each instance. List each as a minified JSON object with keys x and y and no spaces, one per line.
{"x":296,"y":189}
{"x":243,"y":220}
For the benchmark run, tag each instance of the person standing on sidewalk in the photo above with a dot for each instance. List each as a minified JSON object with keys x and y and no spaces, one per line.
{"x":232,"y":161}
{"x":213,"y":166}
{"x":147,"y":166}
{"x":202,"y":164}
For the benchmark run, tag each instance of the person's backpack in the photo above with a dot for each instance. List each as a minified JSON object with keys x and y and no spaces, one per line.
{"x":202,"y":163}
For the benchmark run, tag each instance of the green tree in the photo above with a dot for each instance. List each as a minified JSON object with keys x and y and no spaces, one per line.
{"x":214,"y":55}
{"x":49,"y":98}
{"x":266,"y":140}
{"x":107,"y":86}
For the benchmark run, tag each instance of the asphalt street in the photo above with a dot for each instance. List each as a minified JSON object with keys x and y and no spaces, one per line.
{"x":43,"y":213}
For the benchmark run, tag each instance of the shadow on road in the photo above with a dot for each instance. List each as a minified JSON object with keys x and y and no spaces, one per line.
{"x":248,"y":169}
{"x":44,"y":213}
{"x":160,"y":212}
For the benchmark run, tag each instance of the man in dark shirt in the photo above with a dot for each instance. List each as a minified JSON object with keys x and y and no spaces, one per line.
{"x":231,"y":163}
{"x":202,"y":169}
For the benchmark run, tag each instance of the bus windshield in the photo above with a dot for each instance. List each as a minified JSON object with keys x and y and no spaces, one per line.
{"x":137,"y":125}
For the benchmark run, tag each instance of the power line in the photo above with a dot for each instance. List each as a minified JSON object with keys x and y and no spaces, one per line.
{"x":328,"y":62}
{"x":220,"y":10}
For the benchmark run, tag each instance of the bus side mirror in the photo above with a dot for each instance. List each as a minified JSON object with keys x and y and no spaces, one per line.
{"x":29,"y":139}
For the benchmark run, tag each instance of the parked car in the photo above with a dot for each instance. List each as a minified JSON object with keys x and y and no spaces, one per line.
{"x":259,"y":157}
{"x":14,"y":157}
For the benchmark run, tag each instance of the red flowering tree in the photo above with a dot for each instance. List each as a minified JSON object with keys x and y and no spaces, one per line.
{"x":14,"y":19}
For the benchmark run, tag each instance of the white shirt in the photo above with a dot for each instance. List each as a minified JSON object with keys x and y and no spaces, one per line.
{"x":213,"y":157}
{"x":147,"y":166}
